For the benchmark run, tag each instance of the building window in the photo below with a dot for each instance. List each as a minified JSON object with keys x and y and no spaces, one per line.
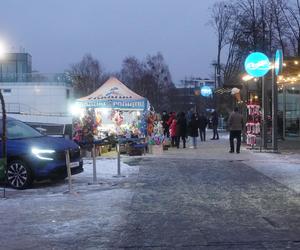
{"x":6,"y":91}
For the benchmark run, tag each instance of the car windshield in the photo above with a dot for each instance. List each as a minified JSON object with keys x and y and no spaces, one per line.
{"x":19,"y":130}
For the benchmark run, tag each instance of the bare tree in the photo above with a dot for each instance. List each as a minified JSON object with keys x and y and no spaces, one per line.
{"x":150,"y":78}
{"x":86,"y":75}
{"x":162,"y":84}
{"x":221,"y":21}
{"x":132,"y":72}
{"x":291,"y":13}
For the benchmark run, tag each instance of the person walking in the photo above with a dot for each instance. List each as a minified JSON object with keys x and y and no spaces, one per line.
{"x":193,"y":129}
{"x":236,"y":124}
{"x":165,"y":118}
{"x":173,"y":132}
{"x":215,"y":123}
{"x":203,"y":121}
{"x":181,"y":129}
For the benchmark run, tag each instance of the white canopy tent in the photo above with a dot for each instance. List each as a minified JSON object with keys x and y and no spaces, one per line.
{"x":117,"y":106}
{"x":115,"y":95}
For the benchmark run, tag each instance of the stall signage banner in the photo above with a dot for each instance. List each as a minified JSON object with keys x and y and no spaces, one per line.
{"x":206,"y":91}
{"x":278,"y":61}
{"x":140,"y":104}
{"x":257,"y":64}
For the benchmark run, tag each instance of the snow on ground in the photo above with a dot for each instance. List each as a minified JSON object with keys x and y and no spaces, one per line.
{"x":106,"y":169}
{"x":46,"y":216}
{"x":282,"y":168}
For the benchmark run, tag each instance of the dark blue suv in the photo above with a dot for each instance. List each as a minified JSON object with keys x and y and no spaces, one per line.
{"x":33,"y":156}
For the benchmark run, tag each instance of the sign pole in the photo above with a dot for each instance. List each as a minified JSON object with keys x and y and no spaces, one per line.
{"x":4,"y":141}
{"x":274,"y":112}
{"x":258,"y":65}
{"x":119,"y":159}
{"x":67,"y":153}
{"x":264,"y":114}
{"x":94,"y":164}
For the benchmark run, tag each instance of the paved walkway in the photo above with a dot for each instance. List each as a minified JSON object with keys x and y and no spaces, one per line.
{"x":209,"y":204}
{"x":283,"y":167}
{"x":207,"y":198}
{"x":202,"y":198}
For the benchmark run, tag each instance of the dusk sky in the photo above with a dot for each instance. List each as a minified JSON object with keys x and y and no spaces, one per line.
{"x":58,"y":33}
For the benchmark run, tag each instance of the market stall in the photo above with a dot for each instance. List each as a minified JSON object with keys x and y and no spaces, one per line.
{"x":113,"y":110}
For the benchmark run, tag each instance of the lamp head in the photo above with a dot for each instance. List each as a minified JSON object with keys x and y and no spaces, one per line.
{"x":2,"y":50}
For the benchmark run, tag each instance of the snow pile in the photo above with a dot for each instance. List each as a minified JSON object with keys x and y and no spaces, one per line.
{"x":107,"y":168}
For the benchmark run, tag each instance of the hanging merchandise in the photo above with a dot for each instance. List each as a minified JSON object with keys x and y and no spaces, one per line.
{"x":113,"y":110}
{"x":253,"y":125}
{"x":150,"y":123}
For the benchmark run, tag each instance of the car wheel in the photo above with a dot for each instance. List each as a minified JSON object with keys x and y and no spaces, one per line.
{"x":18,"y":175}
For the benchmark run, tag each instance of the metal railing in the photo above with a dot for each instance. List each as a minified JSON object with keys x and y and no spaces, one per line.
{"x":23,"y":78}
{"x":21,"y":108}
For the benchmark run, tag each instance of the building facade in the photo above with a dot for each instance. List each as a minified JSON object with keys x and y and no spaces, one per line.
{"x":289,"y":99}
{"x":34,"y":97}
{"x":194,"y":93}
{"x":15,"y":67}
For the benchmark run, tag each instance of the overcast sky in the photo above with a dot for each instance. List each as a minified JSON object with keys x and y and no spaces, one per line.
{"x":59,"y":32}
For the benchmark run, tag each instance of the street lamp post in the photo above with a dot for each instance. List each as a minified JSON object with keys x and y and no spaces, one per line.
{"x":2,"y":52}
{"x":215,"y":65}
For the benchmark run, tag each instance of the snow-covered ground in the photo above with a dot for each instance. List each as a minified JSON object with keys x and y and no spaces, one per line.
{"x":46,"y":216}
{"x":106,"y":169}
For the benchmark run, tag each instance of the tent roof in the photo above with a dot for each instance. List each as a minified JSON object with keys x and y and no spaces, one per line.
{"x":112,"y":89}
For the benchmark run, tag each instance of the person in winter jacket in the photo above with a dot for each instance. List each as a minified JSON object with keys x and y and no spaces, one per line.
{"x":193,"y":129}
{"x":181,"y":129}
{"x":215,"y":122}
{"x":172,"y":115}
{"x":236,"y":124}
{"x":165,"y":118}
{"x":173,"y":132}
{"x":203,"y":121}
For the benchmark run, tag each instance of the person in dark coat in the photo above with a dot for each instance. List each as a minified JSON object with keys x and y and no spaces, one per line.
{"x":181,"y":129}
{"x":215,"y":123}
{"x":193,"y":129}
{"x":236,"y":125}
{"x":203,"y":121}
{"x":165,"y":118}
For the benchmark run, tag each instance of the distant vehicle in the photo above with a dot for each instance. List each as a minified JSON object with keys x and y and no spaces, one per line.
{"x":34,"y":156}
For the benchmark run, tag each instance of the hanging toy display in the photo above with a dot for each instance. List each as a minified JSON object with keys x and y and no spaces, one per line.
{"x":118,"y":118}
{"x":157,"y":125}
{"x":150,"y":123}
{"x":98,"y":118}
{"x":253,"y":125}
{"x":77,"y":131}
{"x":89,"y":128}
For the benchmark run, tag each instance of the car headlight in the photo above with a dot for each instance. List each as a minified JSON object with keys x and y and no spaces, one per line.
{"x":43,"y":154}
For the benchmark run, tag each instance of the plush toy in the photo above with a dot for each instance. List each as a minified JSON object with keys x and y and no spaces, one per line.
{"x":118,"y":118}
{"x":98,"y":118}
{"x":150,"y":123}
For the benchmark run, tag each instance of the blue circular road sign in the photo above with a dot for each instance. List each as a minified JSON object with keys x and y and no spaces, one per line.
{"x":206,"y":91}
{"x":257,"y":64}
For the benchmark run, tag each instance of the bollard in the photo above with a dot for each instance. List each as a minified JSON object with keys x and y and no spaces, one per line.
{"x":118,"y":161}
{"x":69,"y":170}
{"x":94,"y":164}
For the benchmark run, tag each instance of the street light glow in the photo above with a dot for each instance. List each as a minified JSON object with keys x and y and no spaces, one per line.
{"x":247,"y":78}
{"x":2,"y":50}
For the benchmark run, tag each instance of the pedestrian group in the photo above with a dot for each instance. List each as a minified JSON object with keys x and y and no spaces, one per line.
{"x":179,"y":126}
